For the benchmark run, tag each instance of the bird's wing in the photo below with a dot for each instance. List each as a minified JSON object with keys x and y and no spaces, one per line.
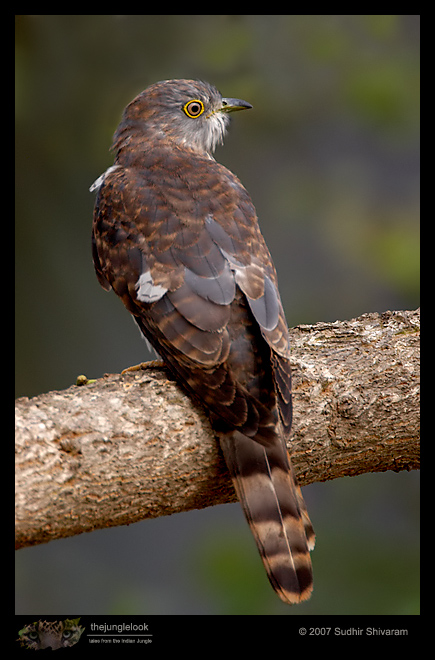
{"x":176,"y":263}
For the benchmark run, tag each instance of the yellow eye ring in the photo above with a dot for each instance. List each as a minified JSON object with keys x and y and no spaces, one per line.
{"x":194,"y":108}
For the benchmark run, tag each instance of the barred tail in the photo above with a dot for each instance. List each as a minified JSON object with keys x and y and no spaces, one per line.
{"x":273,"y":505}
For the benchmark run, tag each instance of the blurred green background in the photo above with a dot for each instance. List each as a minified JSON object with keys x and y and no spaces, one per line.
{"x":330,"y":155}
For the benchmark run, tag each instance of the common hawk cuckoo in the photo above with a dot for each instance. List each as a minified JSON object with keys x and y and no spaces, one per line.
{"x":176,"y":236}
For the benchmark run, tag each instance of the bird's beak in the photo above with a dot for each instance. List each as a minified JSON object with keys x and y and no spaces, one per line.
{"x":231,"y":105}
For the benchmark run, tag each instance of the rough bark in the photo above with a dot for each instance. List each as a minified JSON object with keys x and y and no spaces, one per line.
{"x":132,"y":446}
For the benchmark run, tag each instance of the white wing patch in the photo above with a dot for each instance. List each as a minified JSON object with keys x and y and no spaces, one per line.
{"x":99,"y":182}
{"x":147,"y":291}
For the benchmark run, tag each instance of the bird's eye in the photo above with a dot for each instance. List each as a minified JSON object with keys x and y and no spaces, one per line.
{"x":194,"y":108}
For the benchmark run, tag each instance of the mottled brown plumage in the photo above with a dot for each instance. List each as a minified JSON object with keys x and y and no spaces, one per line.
{"x":176,"y":236}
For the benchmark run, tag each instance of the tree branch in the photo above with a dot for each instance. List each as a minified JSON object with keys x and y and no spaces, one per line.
{"x":132,"y":446}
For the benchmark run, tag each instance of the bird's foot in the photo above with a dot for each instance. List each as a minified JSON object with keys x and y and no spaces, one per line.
{"x":153,"y":364}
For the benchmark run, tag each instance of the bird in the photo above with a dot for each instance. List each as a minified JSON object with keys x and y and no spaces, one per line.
{"x":176,"y":236}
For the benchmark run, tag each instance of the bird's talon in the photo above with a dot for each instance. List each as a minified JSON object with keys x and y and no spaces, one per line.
{"x":152,"y":364}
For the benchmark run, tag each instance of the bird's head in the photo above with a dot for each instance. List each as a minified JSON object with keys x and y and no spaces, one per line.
{"x":190,"y":113}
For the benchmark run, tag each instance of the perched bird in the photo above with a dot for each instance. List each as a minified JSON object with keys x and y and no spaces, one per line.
{"x":176,"y":236}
